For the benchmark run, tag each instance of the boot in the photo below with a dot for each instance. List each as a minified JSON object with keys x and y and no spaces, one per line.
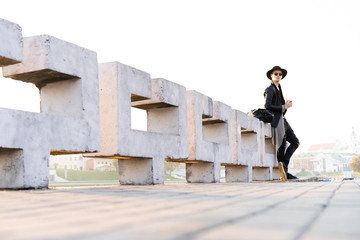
{"x":282,"y":171}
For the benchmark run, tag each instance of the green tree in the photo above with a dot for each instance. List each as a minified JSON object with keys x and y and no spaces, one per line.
{"x":355,"y":164}
{"x":170,"y":166}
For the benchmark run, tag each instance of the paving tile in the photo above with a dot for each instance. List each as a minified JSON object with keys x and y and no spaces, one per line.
{"x":260,"y":210}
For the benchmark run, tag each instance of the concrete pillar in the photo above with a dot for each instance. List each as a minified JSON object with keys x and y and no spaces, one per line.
{"x":66,"y":75}
{"x":210,"y":138}
{"x":238,"y":173}
{"x":262,"y":173}
{"x":141,"y":154}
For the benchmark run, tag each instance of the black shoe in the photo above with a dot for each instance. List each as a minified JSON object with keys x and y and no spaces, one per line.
{"x":282,"y":171}
{"x":290,"y":176}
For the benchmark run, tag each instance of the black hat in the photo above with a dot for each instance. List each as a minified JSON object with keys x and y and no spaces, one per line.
{"x":284,"y":72}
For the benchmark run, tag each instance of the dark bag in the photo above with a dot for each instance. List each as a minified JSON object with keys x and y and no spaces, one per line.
{"x":262,"y":114}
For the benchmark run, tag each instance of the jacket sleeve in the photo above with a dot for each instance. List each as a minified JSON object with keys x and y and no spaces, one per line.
{"x":269,"y":94}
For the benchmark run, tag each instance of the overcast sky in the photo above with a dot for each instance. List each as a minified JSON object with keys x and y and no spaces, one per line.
{"x":220,"y":48}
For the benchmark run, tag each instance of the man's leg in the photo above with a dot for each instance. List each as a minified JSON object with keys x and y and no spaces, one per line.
{"x":294,"y":144}
{"x":281,"y":151}
{"x":280,"y":156}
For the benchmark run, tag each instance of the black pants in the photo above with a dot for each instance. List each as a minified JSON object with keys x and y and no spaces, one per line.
{"x":284,"y":154}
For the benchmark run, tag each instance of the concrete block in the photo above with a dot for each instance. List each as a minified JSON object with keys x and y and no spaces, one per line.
{"x":141,"y":154}
{"x":210,"y":137}
{"x":11,"y":47}
{"x":238,"y":173}
{"x":69,"y":118}
{"x":262,"y":173}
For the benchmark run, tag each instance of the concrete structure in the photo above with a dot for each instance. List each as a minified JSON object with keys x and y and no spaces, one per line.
{"x":246,"y":139}
{"x":66,"y":75}
{"x":254,"y":153}
{"x":11,"y":48}
{"x":141,"y":154}
{"x":210,"y":138}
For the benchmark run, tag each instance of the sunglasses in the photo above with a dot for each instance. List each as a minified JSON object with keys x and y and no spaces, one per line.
{"x":280,"y":74}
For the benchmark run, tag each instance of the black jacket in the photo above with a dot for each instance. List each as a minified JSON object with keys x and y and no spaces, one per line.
{"x":274,"y":101}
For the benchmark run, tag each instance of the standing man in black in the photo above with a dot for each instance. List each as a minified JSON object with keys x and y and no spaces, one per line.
{"x":281,"y":129}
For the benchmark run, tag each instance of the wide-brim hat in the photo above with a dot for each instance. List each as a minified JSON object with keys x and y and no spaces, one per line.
{"x":284,"y":72}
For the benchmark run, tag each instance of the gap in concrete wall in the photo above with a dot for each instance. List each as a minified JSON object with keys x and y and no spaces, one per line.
{"x":74,"y":169}
{"x":138,"y":119}
{"x":222,"y":173}
{"x":18,"y":95}
{"x":175,"y":172}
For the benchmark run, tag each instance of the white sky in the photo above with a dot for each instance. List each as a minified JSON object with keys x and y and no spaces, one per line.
{"x":221,"y":48}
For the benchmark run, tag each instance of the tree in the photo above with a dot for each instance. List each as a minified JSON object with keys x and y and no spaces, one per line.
{"x":355,"y":164}
{"x":170,"y":166}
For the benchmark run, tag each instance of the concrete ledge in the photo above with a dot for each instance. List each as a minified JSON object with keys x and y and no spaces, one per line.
{"x":11,"y":47}
{"x":45,"y":61}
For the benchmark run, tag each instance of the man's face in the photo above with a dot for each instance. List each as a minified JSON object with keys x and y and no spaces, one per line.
{"x":276,"y":75}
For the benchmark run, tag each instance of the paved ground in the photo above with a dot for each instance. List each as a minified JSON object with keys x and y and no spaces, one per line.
{"x":261,"y":210}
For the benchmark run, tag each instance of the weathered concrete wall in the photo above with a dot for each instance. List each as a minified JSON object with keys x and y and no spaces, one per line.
{"x":246,"y":140}
{"x":66,"y":75}
{"x":254,"y":152}
{"x":123,"y":87}
{"x":182,"y":126}
{"x":210,"y":138}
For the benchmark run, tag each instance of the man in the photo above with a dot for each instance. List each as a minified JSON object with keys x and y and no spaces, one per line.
{"x":281,"y":129}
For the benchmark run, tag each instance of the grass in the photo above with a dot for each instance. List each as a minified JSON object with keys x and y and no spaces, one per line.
{"x":169,"y":178}
{"x":77,"y":175}
{"x":332,"y":174}
{"x":304,"y":174}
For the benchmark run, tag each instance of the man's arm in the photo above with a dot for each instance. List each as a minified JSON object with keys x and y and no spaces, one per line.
{"x":269,"y":94}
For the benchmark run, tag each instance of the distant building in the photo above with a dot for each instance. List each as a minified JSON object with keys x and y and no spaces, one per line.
{"x":78,"y":162}
{"x":101,"y":164}
{"x":68,"y":161}
{"x":328,"y":157}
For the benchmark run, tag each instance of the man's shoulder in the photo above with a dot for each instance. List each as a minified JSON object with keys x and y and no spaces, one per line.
{"x":271,"y":87}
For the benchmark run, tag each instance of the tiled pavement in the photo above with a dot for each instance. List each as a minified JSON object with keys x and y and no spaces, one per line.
{"x":260,"y":210}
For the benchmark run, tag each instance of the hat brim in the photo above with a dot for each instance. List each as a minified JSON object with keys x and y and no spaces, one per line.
{"x":284,"y":72}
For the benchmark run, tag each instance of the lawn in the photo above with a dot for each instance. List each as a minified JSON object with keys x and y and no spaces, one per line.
{"x":77,"y":175}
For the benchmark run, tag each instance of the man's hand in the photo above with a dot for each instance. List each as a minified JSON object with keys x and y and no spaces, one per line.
{"x":288,"y":104}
